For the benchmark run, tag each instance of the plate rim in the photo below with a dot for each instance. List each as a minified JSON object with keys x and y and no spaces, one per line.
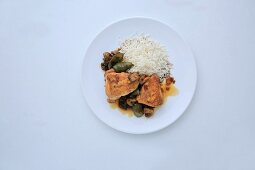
{"x":195,"y":75}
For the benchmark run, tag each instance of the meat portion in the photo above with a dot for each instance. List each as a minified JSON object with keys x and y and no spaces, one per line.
{"x":120,"y":84}
{"x":151,"y":94}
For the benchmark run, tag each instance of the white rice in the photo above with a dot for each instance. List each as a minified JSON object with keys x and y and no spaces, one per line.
{"x":147,"y":55}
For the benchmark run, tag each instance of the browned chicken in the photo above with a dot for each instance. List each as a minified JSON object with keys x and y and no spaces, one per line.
{"x":120,"y":84}
{"x":151,"y":93}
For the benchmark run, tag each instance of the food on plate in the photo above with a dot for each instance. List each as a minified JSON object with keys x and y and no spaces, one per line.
{"x":137,"y":75}
{"x":151,"y":93}
{"x":120,"y":84}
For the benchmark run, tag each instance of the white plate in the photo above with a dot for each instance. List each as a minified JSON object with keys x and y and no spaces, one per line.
{"x":184,"y":72}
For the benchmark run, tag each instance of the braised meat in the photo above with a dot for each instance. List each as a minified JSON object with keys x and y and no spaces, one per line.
{"x":120,"y":84}
{"x":151,"y":94}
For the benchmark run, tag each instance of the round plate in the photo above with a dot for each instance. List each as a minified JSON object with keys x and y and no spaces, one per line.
{"x":184,"y":71}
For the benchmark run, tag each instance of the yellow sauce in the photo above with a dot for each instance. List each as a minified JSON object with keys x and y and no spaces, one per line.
{"x":127,"y":112}
{"x":173,"y":91}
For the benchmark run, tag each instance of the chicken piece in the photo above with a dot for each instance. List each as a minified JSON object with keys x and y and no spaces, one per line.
{"x":151,"y":94}
{"x":120,"y":84}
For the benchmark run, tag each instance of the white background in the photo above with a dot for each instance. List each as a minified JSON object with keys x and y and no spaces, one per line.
{"x":45,"y":123}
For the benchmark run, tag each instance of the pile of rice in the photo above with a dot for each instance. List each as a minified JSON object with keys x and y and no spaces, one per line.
{"x":147,"y":55}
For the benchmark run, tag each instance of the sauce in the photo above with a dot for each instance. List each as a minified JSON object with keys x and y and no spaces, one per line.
{"x":127,"y":112}
{"x":173,"y":91}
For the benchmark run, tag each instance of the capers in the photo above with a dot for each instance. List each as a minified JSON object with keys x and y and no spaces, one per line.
{"x":107,"y":57}
{"x":137,"y":109}
{"x":115,"y":59}
{"x":123,"y":66}
{"x":103,"y":66}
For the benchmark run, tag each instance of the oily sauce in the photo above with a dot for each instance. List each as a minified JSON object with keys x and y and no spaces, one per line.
{"x":172,"y":91}
{"x":127,"y":112}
